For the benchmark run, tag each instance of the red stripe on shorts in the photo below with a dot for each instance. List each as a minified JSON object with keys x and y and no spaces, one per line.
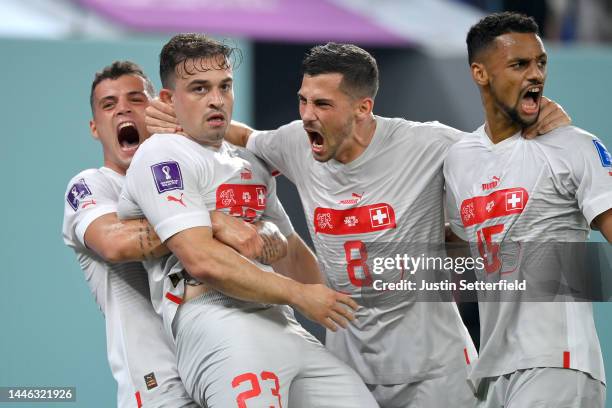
{"x":174,"y":298}
{"x":138,"y":400}
{"x":566,"y":359}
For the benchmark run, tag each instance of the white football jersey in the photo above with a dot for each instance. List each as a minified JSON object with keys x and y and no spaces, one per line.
{"x":392,"y":193}
{"x":174,"y":182}
{"x":141,"y":358}
{"x":528,"y":192}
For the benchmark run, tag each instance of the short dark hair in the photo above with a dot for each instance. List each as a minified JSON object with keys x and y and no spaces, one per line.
{"x":358,"y":68}
{"x":118,"y":69}
{"x":483,"y":33}
{"x":188,"y":46}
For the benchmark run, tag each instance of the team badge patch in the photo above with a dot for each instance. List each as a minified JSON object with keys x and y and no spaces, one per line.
{"x":604,"y":154}
{"x":77,"y":192}
{"x":167,"y":176}
{"x":150,"y":381}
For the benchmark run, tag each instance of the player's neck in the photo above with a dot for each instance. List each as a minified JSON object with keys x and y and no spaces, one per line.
{"x":499,"y":127}
{"x":114,"y":167}
{"x":358,"y":141}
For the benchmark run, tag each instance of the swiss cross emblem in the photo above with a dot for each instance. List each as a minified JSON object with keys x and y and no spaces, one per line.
{"x":261,"y":196}
{"x":514,"y":200}
{"x":227,"y":198}
{"x":379,"y":216}
{"x":351,"y":221}
{"x":467,"y":212}
{"x":324,"y":221}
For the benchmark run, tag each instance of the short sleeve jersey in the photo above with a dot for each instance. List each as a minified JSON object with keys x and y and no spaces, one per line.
{"x":530,"y":191}
{"x":174,"y":182}
{"x":391,"y":193}
{"x":141,"y":359}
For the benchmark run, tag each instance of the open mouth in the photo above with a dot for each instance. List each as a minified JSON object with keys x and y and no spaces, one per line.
{"x":530,"y":103}
{"x":128,"y":136}
{"x":316,"y":140}
{"x":216,"y":120}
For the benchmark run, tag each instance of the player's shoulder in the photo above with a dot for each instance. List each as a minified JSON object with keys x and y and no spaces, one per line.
{"x":467,"y":142}
{"x":402,"y":129}
{"x":570,"y":139}
{"x":92,"y":175}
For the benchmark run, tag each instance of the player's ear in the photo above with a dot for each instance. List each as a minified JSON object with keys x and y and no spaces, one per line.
{"x":365,"y":107}
{"x":479,"y":73}
{"x":94,"y":129}
{"x":166,"y":96}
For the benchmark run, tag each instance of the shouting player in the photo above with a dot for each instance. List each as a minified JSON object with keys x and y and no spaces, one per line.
{"x":363,"y":178}
{"x":233,"y":347}
{"x":142,"y":360}
{"x":503,"y":190}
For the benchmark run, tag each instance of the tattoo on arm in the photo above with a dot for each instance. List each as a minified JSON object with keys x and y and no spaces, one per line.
{"x":273,"y":248}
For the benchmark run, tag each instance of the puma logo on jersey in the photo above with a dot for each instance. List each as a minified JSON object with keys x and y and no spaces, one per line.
{"x":356,"y":198}
{"x":246,"y":174}
{"x":177,"y":200}
{"x":86,"y":203}
{"x":491,"y":185}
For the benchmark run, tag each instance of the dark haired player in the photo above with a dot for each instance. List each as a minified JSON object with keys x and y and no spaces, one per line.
{"x":365,"y":178}
{"x":141,"y":358}
{"x":233,"y":347}
{"x":550,"y":189}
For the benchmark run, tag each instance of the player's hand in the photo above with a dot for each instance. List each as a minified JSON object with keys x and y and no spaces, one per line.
{"x":161,"y":118}
{"x":326,"y":306}
{"x":275,"y":243}
{"x":234,"y":232}
{"x":552,"y":116}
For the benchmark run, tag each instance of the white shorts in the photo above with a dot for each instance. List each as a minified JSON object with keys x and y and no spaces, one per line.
{"x":542,"y":388}
{"x":237,"y":354}
{"x":452,"y":390}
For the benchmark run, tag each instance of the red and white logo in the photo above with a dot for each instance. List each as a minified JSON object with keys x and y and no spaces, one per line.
{"x":261,"y":196}
{"x":351,"y":221}
{"x":246,"y":174}
{"x":226,"y":198}
{"x":491,"y":184}
{"x":176,"y":200}
{"x":355,"y":199}
{"x":476,"y":210}
{"x":356,"y":220}
{"x":514,"y":200}
{"x":85,"y":204}
{"x":379,"y":216}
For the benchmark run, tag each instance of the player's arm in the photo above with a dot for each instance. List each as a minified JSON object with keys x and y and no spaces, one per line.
{"x":117,"y":240}
{"x":603,"y":223}
{"x":274,"y":243}
{"x":552,"y":116}
{"x":300,"y":263}
{"x":161,"y":118}
{"x":220,"y":267}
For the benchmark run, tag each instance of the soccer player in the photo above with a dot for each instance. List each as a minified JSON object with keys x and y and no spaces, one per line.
{"x":142,"y":360}
{"x":364,"y":178}
{"x":550,"y":189}
{"x":233,"y":347}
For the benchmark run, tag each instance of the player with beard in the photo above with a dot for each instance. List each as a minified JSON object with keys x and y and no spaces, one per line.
{"x":365,"y":178}
{"x":551,"y":189}
{"x":236,"y":344}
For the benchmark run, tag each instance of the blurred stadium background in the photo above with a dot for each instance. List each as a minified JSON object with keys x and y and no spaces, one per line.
{"x":51,"y":331}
